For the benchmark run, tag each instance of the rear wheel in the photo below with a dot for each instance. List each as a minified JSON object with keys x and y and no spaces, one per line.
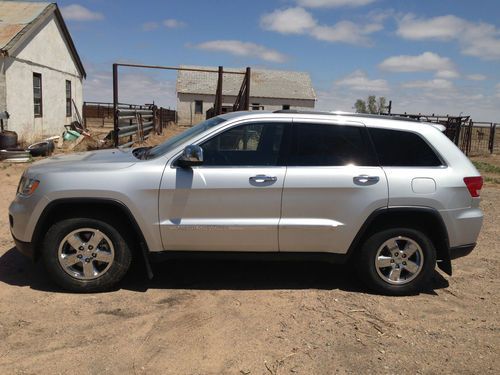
{"x":85,"y":255}
{"x":397,"y":261}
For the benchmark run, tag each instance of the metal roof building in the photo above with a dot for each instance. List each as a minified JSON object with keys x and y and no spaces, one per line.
{"x":269,"y":90}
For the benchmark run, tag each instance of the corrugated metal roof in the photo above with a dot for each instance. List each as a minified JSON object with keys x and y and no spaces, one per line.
{"x":264,"y":83}
{"x":15,"y":16}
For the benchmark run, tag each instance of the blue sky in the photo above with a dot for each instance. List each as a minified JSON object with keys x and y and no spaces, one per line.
{"x":429,"y":56}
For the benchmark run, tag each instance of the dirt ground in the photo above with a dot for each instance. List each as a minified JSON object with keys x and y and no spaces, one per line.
{"x":250,"y":318}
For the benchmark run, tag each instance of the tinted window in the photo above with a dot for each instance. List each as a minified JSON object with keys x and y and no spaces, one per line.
{"x":251,"y":144}
{"x":329,"y":145}
{"x":403,"y":149}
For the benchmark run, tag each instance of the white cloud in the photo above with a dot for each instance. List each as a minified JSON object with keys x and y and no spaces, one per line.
{"x":168,"y":23}
{"x":149,"y":26}
{"x":447,"y":74}
{"x":333,"y":3}
{"x":359,"y":81}
{"x":300,"y":21}
{"x":476,"y":39}
{"x":77,"y":12}
{"x":426,"y":62}
{"x":173,"y":23}
{"x":247,"y":49}
{"x":345,"y":31}
{"x":443,"y":27}
{"x":288,"y":21}
{"x":476,"y":77}
{"x":433,"y":84}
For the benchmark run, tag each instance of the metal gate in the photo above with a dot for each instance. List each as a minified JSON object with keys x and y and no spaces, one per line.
{"x":133,"y":123}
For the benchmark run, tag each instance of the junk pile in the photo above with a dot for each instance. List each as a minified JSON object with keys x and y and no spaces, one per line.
{"x":74,"y":138}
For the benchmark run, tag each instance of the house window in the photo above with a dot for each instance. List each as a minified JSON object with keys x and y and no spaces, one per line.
{"x":68,"y":98}
{"x":198,"y":106}
{"x":286,"y":106}
{"x":37,"y":94}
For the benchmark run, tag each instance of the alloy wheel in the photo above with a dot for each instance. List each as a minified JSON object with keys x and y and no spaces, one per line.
{"x":86,"y":253}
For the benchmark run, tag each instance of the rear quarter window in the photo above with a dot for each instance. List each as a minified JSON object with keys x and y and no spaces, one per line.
{"x":397,"y":148}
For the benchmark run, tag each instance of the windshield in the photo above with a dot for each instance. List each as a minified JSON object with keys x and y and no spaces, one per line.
{"x":175,"y":141}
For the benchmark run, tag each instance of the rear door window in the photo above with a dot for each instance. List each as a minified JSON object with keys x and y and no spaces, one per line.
{"x":330,"y":145}
{"x":396,"y":148}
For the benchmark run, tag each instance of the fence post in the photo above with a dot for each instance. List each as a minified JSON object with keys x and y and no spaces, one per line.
{"x":84,"y":114}
{"x":115,"y":105}
{"x":469,"y":138}
{"x":491,"y":143}
{"x":247,"y":92}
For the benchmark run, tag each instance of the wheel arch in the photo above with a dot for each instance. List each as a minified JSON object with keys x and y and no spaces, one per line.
{"x":106,"y":209}
{"x":425,"y":219}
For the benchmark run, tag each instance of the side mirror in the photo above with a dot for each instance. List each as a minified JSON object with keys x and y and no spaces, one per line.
{"x":191,"y":156}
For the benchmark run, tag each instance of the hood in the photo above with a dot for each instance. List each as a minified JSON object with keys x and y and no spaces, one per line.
{"x":84,"y":161}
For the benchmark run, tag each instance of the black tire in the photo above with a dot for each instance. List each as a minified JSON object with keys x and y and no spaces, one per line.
{"x":104,"y":282}
{"x":367,"y":269}
{"x":44,"y":148}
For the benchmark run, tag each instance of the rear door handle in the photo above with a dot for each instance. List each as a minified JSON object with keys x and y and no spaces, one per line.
{"x":366,"y":180}
{"x":260,"y":178}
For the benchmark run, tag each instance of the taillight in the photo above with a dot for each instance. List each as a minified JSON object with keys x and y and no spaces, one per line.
{"x":474,"y":185}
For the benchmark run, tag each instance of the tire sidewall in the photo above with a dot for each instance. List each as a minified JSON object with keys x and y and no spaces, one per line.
{"x":369,"y":272}
{"x":118,"y":269}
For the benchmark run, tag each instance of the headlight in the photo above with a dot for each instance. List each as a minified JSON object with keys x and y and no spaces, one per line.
{"x":27,"y":186}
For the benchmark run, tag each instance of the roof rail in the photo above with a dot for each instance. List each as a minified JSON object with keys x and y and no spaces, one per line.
{"x":348,"y":114}
{"x":302,"y":112}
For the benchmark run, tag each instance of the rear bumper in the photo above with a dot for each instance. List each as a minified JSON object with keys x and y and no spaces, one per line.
{"x":461,"y":251}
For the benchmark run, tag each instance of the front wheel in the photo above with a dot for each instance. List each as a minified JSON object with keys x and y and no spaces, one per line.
{"x":397,"y":261}
{"x":85,"y":255}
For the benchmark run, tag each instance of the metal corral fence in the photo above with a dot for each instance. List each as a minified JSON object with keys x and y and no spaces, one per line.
{"x":97,"y":113}
{"x":482,"y":136}
{"x":166,"y":116}
{"x":135,"y":122}
{"x":473,"y":137}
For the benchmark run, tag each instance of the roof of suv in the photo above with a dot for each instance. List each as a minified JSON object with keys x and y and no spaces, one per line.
{"x":404,"y":121}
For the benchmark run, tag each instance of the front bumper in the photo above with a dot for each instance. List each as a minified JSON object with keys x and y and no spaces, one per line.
{"x":25,"y":248}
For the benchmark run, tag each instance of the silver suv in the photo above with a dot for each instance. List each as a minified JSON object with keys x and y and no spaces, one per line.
{"x":392,"y":196}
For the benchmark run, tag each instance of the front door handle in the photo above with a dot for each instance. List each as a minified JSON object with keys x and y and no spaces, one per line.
{"x":366,"y":180}
{"x":260,"y":178}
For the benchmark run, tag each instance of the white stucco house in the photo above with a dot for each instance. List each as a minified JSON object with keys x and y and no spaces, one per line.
{"x":270,"y":90}
{"x":41,"y":73}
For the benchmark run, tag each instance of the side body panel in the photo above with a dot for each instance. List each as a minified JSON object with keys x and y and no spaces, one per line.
{"x":220,"y":209}
{"x":323,"y":209}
